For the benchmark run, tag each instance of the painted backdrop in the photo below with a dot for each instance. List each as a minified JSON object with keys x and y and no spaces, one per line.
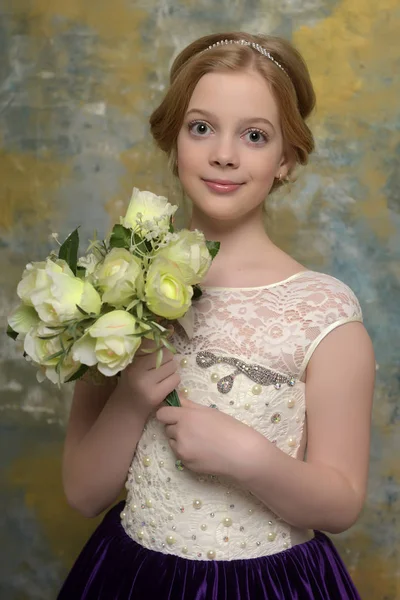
{"x":78,"y":80}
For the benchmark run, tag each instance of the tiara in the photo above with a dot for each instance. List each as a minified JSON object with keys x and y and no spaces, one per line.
{"x":257,"y":47}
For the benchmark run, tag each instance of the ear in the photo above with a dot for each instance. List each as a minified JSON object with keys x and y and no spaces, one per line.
{"x":286,"y":165}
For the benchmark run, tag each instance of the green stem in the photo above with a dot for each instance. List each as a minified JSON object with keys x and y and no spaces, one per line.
{"x":173,"y":399}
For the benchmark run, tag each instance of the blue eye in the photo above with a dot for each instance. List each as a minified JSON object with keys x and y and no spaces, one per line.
{"x":256,"y":136}
{"x":198,"y":128}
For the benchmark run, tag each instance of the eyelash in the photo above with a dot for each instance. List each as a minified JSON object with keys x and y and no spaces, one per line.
{"x":251,"y":130}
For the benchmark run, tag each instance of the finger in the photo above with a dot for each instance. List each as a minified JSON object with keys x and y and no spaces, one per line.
{"x":167,"y":385}
{"x":174,"y":446}
{"x":164,"y":371}
{"x":168,"y":415}
{"x":186,"y":403}
{"x":171,"y":431}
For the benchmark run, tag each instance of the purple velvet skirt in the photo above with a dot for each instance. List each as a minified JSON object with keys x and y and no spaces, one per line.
{"x":114,"y":567}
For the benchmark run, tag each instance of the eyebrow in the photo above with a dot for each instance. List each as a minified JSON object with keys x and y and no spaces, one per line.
{"x":209,"y":115}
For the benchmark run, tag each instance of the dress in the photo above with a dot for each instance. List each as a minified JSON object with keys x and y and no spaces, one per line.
{"x":181,"y":535}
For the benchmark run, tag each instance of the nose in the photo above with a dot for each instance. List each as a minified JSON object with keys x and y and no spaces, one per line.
{"x":224,"y":154}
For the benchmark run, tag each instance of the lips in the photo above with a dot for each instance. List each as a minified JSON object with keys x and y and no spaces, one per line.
{"x":222,"y":186}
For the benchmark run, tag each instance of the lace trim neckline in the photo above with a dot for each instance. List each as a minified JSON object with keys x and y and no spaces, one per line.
{"x":256,"y":287}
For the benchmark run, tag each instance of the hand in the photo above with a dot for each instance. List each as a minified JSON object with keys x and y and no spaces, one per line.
{"x":145,"y":385}
{"x":207,"y":440}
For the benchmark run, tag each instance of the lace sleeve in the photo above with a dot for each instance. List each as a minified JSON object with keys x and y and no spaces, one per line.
{"x":341,"y":306}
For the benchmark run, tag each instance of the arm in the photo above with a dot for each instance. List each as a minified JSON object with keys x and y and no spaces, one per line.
{"x":105,"y":425}
{"x":327,"y":492}
{"x":101,"y":438}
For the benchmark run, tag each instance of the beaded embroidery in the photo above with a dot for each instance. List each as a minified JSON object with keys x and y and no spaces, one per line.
{"x":256,"y":373}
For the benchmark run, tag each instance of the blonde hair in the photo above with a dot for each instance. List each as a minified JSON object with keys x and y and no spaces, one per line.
{"x":292,"y":89}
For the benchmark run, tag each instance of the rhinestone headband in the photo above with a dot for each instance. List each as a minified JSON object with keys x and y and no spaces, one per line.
{"x":257,"y":47}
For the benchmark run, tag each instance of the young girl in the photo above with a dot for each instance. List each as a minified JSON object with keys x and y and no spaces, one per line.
{"x":223,"y":500}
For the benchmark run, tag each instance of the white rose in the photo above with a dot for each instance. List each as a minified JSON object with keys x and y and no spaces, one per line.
{"x":120,"y":277}
{"x":55,"y":292}
{"x":39,"y":350}
{"x":109,"y":343}
{"x":153,"y":212}
{"x":23,"y":319}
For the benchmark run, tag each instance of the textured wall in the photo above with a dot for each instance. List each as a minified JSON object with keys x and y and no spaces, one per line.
{"x":77,"y":83}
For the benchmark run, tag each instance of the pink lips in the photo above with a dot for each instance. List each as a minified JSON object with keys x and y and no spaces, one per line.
{"x":222,"y":186}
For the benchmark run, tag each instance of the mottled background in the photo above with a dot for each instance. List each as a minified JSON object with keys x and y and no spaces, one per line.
{"x":78,"y":80}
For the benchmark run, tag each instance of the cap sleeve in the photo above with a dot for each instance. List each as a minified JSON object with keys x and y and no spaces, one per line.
{"x":342,"y":307}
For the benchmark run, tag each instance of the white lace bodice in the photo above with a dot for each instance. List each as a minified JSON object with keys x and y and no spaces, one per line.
{"x":247,"y":357}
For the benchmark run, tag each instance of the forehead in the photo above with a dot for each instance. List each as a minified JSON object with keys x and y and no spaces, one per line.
{"x":243,"y":94}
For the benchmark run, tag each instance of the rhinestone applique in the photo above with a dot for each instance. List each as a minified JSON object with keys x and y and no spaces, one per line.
{"x":256,"y":373}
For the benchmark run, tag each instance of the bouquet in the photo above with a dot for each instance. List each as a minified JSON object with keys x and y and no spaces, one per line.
{"x":91,"y":313}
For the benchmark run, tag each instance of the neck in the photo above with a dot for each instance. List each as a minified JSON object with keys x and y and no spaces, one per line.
{"x":243,"y":242}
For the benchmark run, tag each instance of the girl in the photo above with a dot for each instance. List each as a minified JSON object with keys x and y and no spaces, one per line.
{"x":222,"y":502}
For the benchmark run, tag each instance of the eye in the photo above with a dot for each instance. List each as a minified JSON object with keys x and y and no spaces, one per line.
{"x":256,"y":136}
{"x":199,"y":128}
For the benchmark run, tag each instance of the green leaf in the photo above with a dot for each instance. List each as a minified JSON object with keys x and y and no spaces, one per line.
{"x":171,"y":225}
{"x":11,"y":333}
{"x":139,"y":310}
{"x":159,"y":358}
{"x":196,"y":292}
{"x":168,"y":345}
{"x":55,"y":355}
{"x":173,"y":399}
{"x":78,"y":374}
{"x":69,"y":250}
{"x":213,"y":248}
{"x":120,"y":237}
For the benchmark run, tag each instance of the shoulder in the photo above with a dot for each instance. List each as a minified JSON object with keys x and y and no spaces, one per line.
{"x":325,"y":293}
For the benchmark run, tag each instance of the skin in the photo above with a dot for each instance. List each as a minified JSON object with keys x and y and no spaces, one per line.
{"x":330,"y":487}
{"x":106,"y":422}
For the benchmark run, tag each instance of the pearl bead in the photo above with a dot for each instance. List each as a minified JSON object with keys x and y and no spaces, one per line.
{"x":168,"y":495}
{"x":250,"y":511}
{"x":154,"y":436}
{"x":149,"y":503}
{"x":161,"y":463}
{"x":291,"y":403}
{"x":212,"y":514}
{"x":133,"y":507}
{"x":258,"y":543}
{"x":197,"y":504}
{"x":184,"y":391}
{"x":170,"y":540}
{"x":214,"y":377}
{"x":146,"y":461}
{"x":271,"y":536}
{"x":170,"y":517}
{"x":138,"y":478}
{"x":247,"y":406}
{"x":243,"y":544}
{"x":256,"y":389}
{"x":130,"y":470}
{"x":203,"y":527}
{"x":211,"y":554}
{"x":184,"y":549}
{"x":184,"y":362}
{"x":291,"y":441}
{"x":140,"y":535}
{"x":227,"y":521}
{"x":152,"y":523}
{"x":123,"y":515}
{"x":286,"y":544}
{"x":173,"y":527}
